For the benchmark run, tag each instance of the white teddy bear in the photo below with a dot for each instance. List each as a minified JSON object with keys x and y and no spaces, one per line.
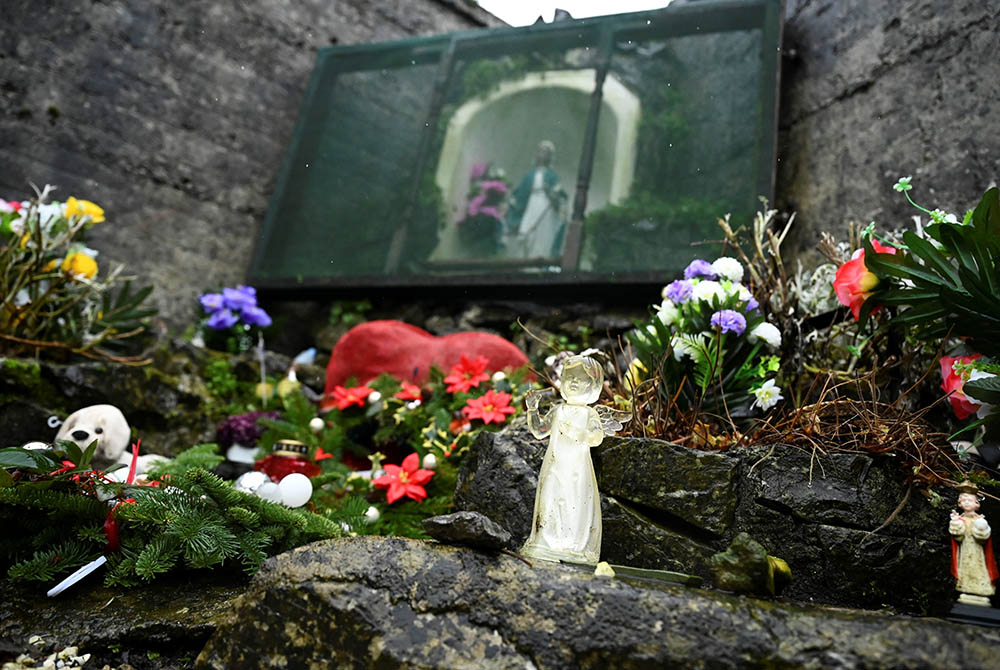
{"x":107,"y":425}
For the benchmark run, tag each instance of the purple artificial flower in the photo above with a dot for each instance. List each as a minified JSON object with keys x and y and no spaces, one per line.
{"x":496,"y":186}
{"x":730,"y":321}
{"x":678,"y":291}
{"x":491,"y":211}
{"x":699,"y":268}
{"x":255,"y":316}
{"x":752,"y":304}
{"x":223,"y":319}
{"x":478,"y":171}
{"x":242,"y":429}
{"x":240,"y":297}
{"x":212,"y":302}
{"x":476,"y":203}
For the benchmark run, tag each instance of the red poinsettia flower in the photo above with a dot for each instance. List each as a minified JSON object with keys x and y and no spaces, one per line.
{"x":467,"y":374}
{"x":491,"y":407}
{"x":854,"y":283}
{"x":344,"y":397}
{"x":409,"y":392}
{"x":954,"y":383}
{"x":405,"y":480}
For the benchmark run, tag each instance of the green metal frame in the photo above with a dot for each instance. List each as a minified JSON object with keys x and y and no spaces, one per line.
{"x":708,"y":16}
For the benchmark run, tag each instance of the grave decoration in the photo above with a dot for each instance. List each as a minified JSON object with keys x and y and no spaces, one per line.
{"x":972,"y":562}
{"x":567,"y":517}
{"x":55,"y":300}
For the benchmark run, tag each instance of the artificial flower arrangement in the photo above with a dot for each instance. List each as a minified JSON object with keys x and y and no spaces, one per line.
{"x":481,"y":227}
{"x":708,"y":346}
{"x":943,"y":281}
{"x":396,"y":445}
{"x":232,"y":320}
{"x":54,"y":298}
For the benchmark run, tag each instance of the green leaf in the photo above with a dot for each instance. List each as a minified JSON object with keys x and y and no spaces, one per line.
{"x":931,"y":257}
{"x":88,"y":454}
{"x":984,"y":390}
{"x":986,"y":215}
{"x":27,"y":459}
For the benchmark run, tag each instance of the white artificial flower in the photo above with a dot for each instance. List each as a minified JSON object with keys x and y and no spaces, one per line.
{"x":708,"y":289}
{"x":374,"y":397}
{"x":430,"y":462}
{"x":768,"y":333}
{"x":498,"y":376}
{"x":50,"y":213}
{"x":372,"y":515}
{"x":729,"y":268}
{"x":667,"y":313}
{"x":744,"y":292}
{"x":767,"y":395}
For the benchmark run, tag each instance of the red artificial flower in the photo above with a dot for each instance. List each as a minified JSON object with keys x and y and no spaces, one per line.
{"x":344,"y":397}
{"x":321,"y":455}
{"x":409,"y":392}
{"x":854,"y":283}
{"x":467,"y":374}
{"x":954,"y":383}
{"x":490,"y":407}
{"x":407,"y":480}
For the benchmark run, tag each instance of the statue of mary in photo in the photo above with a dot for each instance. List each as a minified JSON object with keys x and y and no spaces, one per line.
{"x":536,"y":222}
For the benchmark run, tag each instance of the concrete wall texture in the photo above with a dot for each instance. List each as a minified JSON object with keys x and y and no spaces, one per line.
{"x":175,"y":116}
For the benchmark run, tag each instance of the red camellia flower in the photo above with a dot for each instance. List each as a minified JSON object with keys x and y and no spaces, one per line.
{"x":854,"y":283}
{"x":954,"y":383}
{"x":467,"y":374}
{"x":344,"y":397}
{"x":406,"y":480}
{"x":409,"y":392}
{"x":490,"y":407}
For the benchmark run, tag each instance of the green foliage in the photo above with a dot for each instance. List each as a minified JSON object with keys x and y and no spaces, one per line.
{"x":640,"y":231}
{"x":204,"y":456}
{"x":349,"y":312}
{"x":948,"y":280}
{"x":220,"y":379}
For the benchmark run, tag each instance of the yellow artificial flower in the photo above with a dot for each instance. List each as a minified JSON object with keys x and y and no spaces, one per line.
{"x":76,"y":207}
{"x":80,"y":264}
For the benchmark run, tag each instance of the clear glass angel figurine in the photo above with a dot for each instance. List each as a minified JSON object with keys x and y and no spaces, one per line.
{"x":566,"y":524}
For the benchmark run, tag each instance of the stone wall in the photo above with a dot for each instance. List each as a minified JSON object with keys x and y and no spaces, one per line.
{"x":175,"y":116}
{"x":873,"y":91}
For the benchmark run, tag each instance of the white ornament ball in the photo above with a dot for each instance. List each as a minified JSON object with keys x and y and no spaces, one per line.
{"x":372,"y":515}
{"x":269,"y":491}
{"x":296,"y":490}
{"x":430,"y":462}
{"x":249,"y":482}
{"x":374,"y":397}
{"x":316,"y":424}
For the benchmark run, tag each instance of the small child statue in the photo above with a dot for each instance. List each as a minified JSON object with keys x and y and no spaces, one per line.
{"x":972,"y":562}
{"x":566,"y":524}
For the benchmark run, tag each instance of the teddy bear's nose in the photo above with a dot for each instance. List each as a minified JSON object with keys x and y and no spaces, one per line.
{"x":80,"y":434}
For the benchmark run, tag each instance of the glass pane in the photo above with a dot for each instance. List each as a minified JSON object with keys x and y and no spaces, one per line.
{"x":352,"y":178}
{"x":697,"y":149}
{"x":508,"y":148}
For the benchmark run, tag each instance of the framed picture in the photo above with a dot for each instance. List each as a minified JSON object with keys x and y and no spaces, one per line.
{"x":594,"y":151}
